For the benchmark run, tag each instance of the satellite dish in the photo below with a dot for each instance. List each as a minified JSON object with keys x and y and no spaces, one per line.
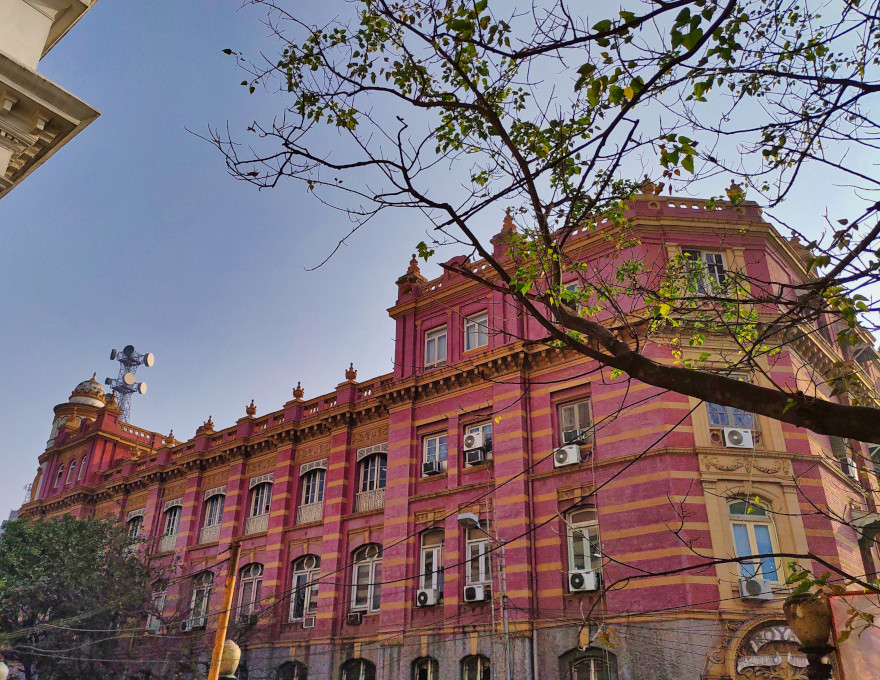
{"x":108,"y":381}
{"x":113,"y":354}
{"x":128,"y":379}
{"x":149,"y":359}
{"x":128,"y":350}
{"x":142,"y":388}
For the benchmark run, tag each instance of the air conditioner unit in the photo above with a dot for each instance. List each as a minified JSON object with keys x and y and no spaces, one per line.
{"x":848,"y":465}
{"x":476,"y":593}
{"x":474,"y":440}
{"x":737,"y":438}
{"x":567,"y":455}
{"x":309,"y":621}
{"x":355,"y":618}
{"x":427,"y":597}
{"x":475,"y":457}
{"x":431,"y":467}
{"x":579,"y":581}
{"x":755,"y":589}
{"x":154,"y":624}
{"x":186,"y":626}
{"x":575,"y":436}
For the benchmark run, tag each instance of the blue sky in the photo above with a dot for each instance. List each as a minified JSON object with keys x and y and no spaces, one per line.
{"x":134,"y":233}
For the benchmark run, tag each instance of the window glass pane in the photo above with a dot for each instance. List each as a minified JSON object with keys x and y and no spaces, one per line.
{"x":441,"y":347}
{"x":362,"y":583}
{"x":377,"y":586}
{"x":383,"y":463}
{"x":717,"y":415}
{"x":567,"y":418}
{"x":743,"y":419}
{"x":764,"y":545}
{"x":579,"y":557}
{"x":743,"y":548}
{"x":583,"y":415}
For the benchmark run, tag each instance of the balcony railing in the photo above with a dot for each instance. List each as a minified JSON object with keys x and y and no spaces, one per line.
{"x":313,"y":512}
{"x":210,"y":534}
{"x":167,"y":543}
{"x":254,"y":525}
{"x":369,"y":500}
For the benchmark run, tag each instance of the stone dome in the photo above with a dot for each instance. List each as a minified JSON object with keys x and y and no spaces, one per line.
{"x":89,"y":392}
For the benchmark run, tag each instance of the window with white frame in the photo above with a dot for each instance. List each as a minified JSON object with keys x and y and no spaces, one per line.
{"x":431,"y":561}
{"x":709,"y":268}
{"x":426,"y":668}
{"x":367,"y":578}
{"x":476,"y":331}
{"x":584,"y":553}
{"x":304,"y":600}
{"x":59,"y":475}
{"x":753,"y":534}
{"x":71,"y":472}
{"x":154,"y":618}
{"x":574,"y":418}
{"x":292,"y":670}
{"x":727,"y":416}
{"x":251,"y":585}
{"x":593,"y":668}
{"x":434,"y":448}
{"x":172,"y":521}
{"x":358,"y":669}
{"x":201,"y":599}
{"x":435,"y":347}
{"x":485,"y":429}
{"x":313,"y":486}
{"x":135,"y":525}
{"x":261,"y":499}
{"x":214,"y":510}
{"x":477,"y":556}
{"x":82,"y":467}
{"x":373,"y":469}
{"x":475,"y":667}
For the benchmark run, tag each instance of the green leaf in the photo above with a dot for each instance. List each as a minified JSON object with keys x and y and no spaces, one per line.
{"x":688,"y":163}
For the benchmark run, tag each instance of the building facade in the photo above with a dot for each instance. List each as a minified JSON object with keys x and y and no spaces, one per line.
{"x":494,"y":507}
{"x":37,"y":117}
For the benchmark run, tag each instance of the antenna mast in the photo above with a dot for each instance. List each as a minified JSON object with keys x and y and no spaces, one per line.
{"x":124,"y":385}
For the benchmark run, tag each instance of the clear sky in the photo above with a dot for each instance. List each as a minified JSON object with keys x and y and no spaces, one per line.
{"x":134,"y":233}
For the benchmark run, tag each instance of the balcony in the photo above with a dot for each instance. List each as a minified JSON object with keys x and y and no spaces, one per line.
{"x":313,"y":512}
{"x":167,"y":543}
{"x":369,"y":500}
{"x":210,"y":534}
{"x":255,"y":525}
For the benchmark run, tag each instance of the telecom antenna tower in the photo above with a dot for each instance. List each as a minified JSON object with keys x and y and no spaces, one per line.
{"x":125,"y":384}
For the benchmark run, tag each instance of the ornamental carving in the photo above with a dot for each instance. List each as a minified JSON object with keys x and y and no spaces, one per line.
{"x":370,"y":435}
{"x":314,"y":450}
{"x":215,"y":478}
{"x":137,"y":500}
{"x":769,"y":652}
{"x":175,"y":490}
{"x":260,"y":465}
{"x":766,"y":466}
{"x":429,"y":516}
{"x":574,"y":492}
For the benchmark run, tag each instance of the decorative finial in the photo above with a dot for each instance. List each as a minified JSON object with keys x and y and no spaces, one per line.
{"x":110,"y":404}
{"x":251,"y":409}
{"x":351,"y":373}
{"x":95,"y":376}
{"x":208,"y":425}
{"x":413,"y":266}
{"x":298,"y":391}
{"x":170,"y":437}
{"x":735,"y":192}
{"x":508,"y":224}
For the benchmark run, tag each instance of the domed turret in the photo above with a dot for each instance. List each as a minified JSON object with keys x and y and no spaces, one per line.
{"x":89,"y":392}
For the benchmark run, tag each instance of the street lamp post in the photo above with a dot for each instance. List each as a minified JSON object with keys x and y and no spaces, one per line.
{"x":809,"y":618}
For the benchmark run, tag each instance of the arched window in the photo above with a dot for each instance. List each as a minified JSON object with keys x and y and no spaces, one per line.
{"x":753,"y":534}
{"x":292,"y":670}
{"x":304,"y":601}
{"x":584,"y":553}
{"x":358,"y":669}
{"x":71,"y":472}
{"x":135,"y":525}
{"x":590,"y":664}
{"x":431,"y":562}
{"x":251,"y":583}
{"x":214,"y":509}
{"x":313,"y":486}
{"x":261,"y":499}
{"x":475,"y":667}
{"x":367,"y":578}
{"x":59,"y":475}
{"x":201,"y":597}
{"x":82,"y":467}
{"x":373,"y":472}
{"x":426,"y":668}
{"x":171,"y":521}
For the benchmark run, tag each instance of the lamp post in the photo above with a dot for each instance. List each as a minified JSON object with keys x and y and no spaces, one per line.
{"x":469,"y":520}
{"x":809,"y":617}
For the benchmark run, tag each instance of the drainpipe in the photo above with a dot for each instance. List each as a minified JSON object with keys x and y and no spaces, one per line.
{"x":532,"y":548}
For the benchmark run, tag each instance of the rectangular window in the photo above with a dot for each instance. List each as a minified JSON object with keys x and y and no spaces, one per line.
{"x":435,"y":448}
{"x":727,"y":416}
{"x":476,"y":331}
{"x":154,"y":619}
{"x":431,"y":563}
{"x":573,"y":418}
{"x":435,"y":347}
{"x":485,"y":429}
{"x":584,"y":553}
{"x":367,"y":589}
{"x":172,"y":519}
{"x":477,"y":556}
{"x":712,"y":274}
{"x":305,"y":595}
{"x":313,"y":486}
{"x":261,"y":499}
{"x":214,"y":510}
{"x":753,"y":535}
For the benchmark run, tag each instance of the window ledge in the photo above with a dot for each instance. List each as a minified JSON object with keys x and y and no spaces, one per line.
{"x":474,"y":350}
